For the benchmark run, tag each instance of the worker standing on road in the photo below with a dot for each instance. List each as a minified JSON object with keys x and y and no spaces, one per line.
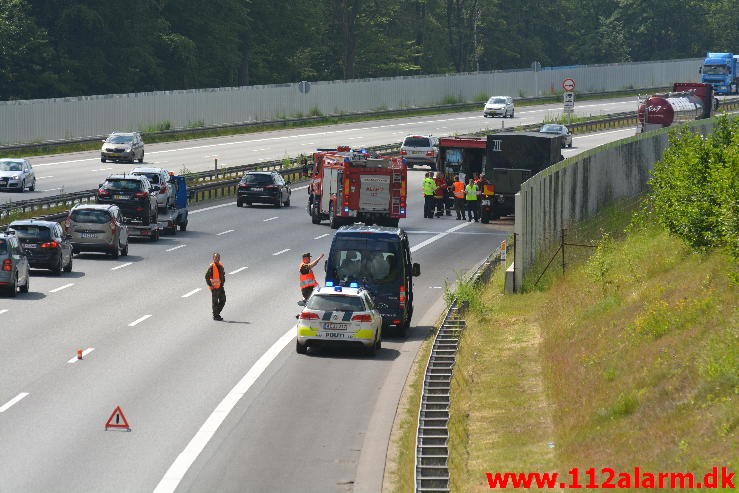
{"x":459,"y":202}
{"x":440,"y":183}
{"x":471,"y":193}
{"x":215,"y":278}
{"x":429,"y":187}
{"x":307,"y":278}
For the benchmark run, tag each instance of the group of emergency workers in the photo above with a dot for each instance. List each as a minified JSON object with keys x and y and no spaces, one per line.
{"x":466,"y":197}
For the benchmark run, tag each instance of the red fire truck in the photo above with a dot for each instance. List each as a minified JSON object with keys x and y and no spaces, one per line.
{"x":349,"y":186}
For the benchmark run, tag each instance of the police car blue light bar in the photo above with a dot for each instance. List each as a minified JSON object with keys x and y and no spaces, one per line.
{"x":353,"y":285}
{"x":329,"y":284}
{"x":337,"y":289}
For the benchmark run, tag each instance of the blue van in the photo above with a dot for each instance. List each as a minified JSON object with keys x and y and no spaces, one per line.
{"x":379,"y":259}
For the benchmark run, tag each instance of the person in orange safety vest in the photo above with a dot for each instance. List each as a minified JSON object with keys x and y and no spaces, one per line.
{"x":215,"y":278}
{"x":459,"y":201}
{"x":307,"y":278}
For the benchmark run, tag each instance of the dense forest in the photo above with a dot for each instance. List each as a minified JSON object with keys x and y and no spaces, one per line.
{"x":50,"y":48}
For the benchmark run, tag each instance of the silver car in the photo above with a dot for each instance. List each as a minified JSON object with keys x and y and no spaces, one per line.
{"x":420,"y":150}
{"x":123,"y":146}
{"x":97,"y":228}
{"x":499,"y":106}
{"x":14,"y":267}
{"x":159,"y":177}
{"x":17,"y":174}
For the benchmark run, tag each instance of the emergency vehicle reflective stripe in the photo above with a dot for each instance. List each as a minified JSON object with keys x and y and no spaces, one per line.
{"x":307,"y":280}
{"x":471,"y":192}
{"x":459,"y":189}
{"x":215,"y":281}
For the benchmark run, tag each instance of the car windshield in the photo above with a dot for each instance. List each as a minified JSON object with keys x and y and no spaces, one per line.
{"x":119,"y":139}
{"x":335,"y":303}
{"x":257,"y":179}
{"x":122,"y":184}
{"x":10,"y":166}
{"x":417,"y":142}
{"x":497,"y":101}
{"x":715,"y":69}
{"x":377,"y":262}
{"x":90,"y":216}
{"x":551,"y":129}
{"x":153,"y":177}
{"x":32,"y":232}
{"x":3,"y":247}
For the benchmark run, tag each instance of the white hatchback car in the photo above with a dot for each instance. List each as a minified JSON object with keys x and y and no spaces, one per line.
{"x":158,"y":177}
{"x":339,"y":314}
{"x":17,"y":174}
{"x":499,"y":106}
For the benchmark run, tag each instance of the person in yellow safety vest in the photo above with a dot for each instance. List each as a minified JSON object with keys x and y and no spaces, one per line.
{"x":215,"y":278}
{"x":429,"y":187}
{"x":470,"y":195}
{"x":459,"y":202}
{"x":307,"y":278}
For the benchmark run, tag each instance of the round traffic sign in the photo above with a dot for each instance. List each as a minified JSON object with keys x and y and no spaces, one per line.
{"x":568,"y":84}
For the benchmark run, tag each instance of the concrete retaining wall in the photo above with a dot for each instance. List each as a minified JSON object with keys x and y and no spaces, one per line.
{"x":577,"y":188}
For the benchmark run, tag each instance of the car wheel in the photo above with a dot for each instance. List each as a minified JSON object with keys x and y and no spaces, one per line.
{"x":114,"y":253}
{"x":141,"y":159}
{"x":25,"y":287}
{"x":239,"y":203}
{"x":278,"y":204}
{"x":371,"y":350}
{"x":569,"y":145}
{"x":68,"y":267}
{"x":13,"y":288}
{"x":124,"y":250}
{"x":315,"y":216}
{"x":33,"y":186}
{"x":300,"y":348}
{"x":287,"y":203}
{"x":332,"y":219}
{"x":512,"y":113}
{"x":183,"y":226}
{"x":248,"y":204}
{"x":23,"y":186}
{"x":57,"y":269}
{"x":102,"y":160}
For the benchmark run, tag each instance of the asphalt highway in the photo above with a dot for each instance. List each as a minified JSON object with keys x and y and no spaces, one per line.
{"x":212,"y":406}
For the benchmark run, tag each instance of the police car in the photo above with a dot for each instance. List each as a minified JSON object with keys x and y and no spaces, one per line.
{"x":340,"y":314}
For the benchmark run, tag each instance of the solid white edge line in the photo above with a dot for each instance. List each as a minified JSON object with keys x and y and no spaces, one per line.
{"x":121,"y":266}
{"x":225,"y":232}
{"x":182,"y":463}
{"x":237,"y":270}
{"x":190,"y":293}
{"x":62,"y":287}
{"x":138,"y":321}
{"x":175,"y":248}
{"x":84,"y":353}
{"x":281,"y":252}
{"x":13,"y":401}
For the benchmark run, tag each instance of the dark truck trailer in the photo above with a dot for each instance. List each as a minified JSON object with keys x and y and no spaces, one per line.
{"x":511,"y":158}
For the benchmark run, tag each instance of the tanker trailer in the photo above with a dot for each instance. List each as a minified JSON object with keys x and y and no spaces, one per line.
{"x":688,"y":101}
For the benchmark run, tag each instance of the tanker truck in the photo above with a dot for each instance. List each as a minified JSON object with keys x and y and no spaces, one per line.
{"x":688,"y":101}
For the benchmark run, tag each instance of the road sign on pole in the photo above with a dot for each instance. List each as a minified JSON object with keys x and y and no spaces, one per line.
{"x":568,"y":84}
{"x":569,"y":102}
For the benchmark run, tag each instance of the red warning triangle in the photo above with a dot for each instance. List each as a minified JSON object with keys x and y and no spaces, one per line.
{"x":118,"y":415}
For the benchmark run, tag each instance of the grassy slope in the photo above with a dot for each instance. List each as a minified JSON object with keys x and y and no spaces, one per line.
{"x":629,"y":359}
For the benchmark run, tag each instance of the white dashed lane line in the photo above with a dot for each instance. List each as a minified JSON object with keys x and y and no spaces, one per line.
{"x":62,"y":287}
{"x":138,"y":321}
{"x":271,"y":218}
{"x":121,"y":266}
{"x":237,"y":270}
{"x":225,"y":232}
{"x":321,"y":236}
{"x":175,"y":248}
{"x":281,"y":252}
{"x":15,"y":400}
{"x":190,"y":293}
{"x":3,"y":311}
{"x":84,"y":353}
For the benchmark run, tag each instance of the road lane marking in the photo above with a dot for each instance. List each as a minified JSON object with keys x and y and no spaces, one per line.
{"x":281,"y":252}
{"x":185,"y":460}
{"x":51,"y":189}
{"x":439,"y":236}
{"x":138,"y":321}
{"x":225,"y":232}
{"x":62,"y":287}
{"x":84,"y":353}
{"x":190,"y":293}
{"x":3,"y":311}
{"x":270,"y":219}
{"x":321,"y":236}
{"x":44,"y":177}
{"x":121,"y":266}
{"x":175,"y":248}
{"x":204,"y":209}
{"x":13,"y":401}
{"x":237,"y":270}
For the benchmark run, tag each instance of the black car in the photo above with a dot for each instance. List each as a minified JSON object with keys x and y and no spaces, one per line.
{"x":133,"y":194}
{"x":264,"y":187}
{"x":45,"y":244}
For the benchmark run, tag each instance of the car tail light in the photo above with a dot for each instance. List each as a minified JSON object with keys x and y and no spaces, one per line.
{"x":308,"y":316}
{"x":50,"y":244}
{"x":103,"y":193}
{"x":430,"y":153}
{"x":243,"y":185}
{"x":142,"y":195}
{"x":403,"y":153}
{"x":401,"y":297}
{"x":7,"y":265}
{"x":362,"y":318}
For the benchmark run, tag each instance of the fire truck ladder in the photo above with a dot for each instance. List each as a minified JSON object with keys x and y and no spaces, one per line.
{"x":432,"y":454}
